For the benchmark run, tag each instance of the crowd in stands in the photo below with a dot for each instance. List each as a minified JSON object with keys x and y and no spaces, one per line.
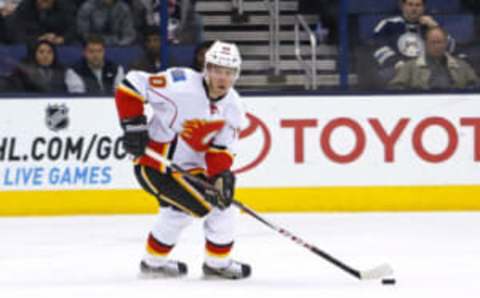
{"x":91,"y":26}
{"x":413,"y":50}
{"x":407,"y":45}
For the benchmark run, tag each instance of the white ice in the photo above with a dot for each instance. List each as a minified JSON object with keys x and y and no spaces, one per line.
{"x":433,"y":255}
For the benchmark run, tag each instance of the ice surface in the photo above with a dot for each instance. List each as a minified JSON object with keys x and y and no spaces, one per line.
{"x":433,"y":255}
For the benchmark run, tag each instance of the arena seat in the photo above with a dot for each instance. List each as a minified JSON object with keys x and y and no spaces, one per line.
{"x":372,"y":6}
{"x":443,"y":6}
{"x":460,"y":26}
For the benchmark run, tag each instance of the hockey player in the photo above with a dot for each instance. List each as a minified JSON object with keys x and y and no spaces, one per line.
{"x":196,"y":122}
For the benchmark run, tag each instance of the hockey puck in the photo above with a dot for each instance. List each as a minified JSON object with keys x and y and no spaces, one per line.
{"x":388,"y":281}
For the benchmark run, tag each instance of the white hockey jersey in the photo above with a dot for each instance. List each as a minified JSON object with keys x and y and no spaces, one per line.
{"x":186,"y":126}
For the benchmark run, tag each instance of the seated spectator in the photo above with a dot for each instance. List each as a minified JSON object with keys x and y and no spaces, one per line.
{"x":40,"y":71}
{"x":139,"y":11}
{"x":94,"y":74}
{"x":7,"y":10}
{"x":51,"y":20}
{"x":111,"y":19}
{"x":435,"y":69}
{"x":199,"y":55}
{"x":151,"y":60}
{"x":400,"y":38}
{"x":184,"y":24}
{"x":8,"y":7}
{"x":472,"y":5}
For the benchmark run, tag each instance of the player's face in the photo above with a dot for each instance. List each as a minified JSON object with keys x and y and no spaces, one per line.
{"x":95,"y":54}
{"x":412,"y":10}
{"x":221,"y":79}
{"x":436,"y":43}
{"x":44,"y":55}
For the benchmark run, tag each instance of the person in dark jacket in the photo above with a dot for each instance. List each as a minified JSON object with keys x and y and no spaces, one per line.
{"x":51,"y":20}
{"x":150,"y":61}
{"x":40,"y":71}
{"x":112,"y":19}
{"x":94,"y":74}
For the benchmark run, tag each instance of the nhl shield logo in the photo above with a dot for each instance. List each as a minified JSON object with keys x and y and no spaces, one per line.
{"x":57,"y":117}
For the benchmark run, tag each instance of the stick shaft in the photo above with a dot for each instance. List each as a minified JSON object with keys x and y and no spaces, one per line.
{"x":298,"y":240}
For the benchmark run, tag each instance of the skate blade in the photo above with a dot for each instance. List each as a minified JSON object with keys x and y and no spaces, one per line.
{"x":158,"y":275}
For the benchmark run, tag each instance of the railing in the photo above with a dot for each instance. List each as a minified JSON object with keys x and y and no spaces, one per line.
{"x":310,"y":68}
{"x":238,"y":6}
{"x":273,"y":7}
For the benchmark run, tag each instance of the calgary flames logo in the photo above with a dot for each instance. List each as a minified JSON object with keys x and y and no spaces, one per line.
{"x":199,"y":133}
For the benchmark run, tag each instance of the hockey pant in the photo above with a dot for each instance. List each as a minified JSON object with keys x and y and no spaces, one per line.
{"x":180,"y":201}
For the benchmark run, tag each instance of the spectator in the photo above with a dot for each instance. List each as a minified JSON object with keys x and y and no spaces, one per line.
{"x":8,"y":7}
{"x":151,"y":60}
{"x":51,"y":20}
{"x":184,"y":24}
{"x":472,"y":5}
{"x":139,"y":11}
{"x":199,"y":55}
{"x":94,"y":74}
{"x":40,"y":71}
{"x":400,"y":38}
{"x":111,"y":19}
{"x":436,"y":69}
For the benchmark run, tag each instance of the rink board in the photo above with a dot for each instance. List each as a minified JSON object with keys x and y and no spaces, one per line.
{"x":326,"y":199}
{"x":340,"y":153}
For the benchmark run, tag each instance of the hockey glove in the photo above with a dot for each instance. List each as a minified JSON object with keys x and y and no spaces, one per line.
{"x":135,"y":136}
{"x":225,"y":184}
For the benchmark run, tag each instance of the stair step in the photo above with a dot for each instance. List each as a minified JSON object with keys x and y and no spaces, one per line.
{"x":239,"y":36}
{"x":213,"y":6}
{"x":323,"y":65}
{"x":251,"y":50}
{"x":226,"y":20}
{"x":259,"y":81}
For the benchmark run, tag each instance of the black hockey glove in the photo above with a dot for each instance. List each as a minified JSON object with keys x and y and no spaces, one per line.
{"x":225,"y":184}
{"x":135,"y":135}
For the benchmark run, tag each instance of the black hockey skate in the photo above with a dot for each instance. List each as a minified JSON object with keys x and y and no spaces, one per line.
{"x":169,"y":269}
{"x":234,"y":270}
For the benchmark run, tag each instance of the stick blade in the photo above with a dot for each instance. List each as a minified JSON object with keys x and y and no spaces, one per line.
{"x":377,"y":272}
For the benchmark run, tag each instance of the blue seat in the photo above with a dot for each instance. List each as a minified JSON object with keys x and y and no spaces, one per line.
{"x":9,"y":57}
{"x":366,"y":24}
{"x":459,"y":26}
{"x":372,"y":6}
{"x":443,"y":6}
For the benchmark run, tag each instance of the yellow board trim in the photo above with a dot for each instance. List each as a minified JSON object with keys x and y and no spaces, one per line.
{"x":327,"y":199}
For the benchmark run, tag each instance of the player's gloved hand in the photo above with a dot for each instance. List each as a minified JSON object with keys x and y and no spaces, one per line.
{"x":225,"y":185}
{"x":135,"y":135}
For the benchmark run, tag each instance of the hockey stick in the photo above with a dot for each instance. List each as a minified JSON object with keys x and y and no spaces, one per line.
{"x":374,"y":273}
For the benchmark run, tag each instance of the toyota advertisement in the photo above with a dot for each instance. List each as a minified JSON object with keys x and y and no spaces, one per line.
{"x":286,"y":142}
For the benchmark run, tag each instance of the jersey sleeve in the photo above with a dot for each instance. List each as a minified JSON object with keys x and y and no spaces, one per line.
{"x":385,"y":51}
{"x":130,"y":94}
{"x":220,"y":155}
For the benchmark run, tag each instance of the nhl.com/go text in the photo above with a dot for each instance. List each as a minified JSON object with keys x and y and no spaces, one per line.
{"x":60,"y":161}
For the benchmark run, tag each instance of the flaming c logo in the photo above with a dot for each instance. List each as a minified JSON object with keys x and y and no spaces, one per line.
{"x":254,"y":124}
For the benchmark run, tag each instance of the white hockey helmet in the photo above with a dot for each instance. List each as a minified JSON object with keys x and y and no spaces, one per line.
{"x":224,"y":54}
